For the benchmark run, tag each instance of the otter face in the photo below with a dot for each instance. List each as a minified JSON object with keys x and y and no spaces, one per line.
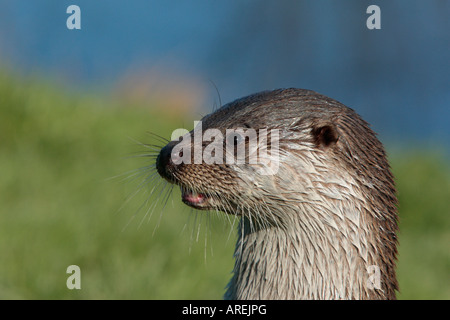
{"x":259,"y":125}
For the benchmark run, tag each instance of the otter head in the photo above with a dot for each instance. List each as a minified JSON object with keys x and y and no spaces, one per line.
{"x":312,"y":169}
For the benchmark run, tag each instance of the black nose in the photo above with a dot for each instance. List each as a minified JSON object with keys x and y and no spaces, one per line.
{"x":163,"y":161}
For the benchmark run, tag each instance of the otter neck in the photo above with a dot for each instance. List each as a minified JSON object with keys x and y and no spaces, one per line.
{"x":308,"y":259}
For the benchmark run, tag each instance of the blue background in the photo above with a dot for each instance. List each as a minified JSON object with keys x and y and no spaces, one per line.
{"x":397,"y":78}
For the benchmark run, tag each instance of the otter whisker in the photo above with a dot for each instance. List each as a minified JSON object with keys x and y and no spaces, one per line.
{"x":157,"y":136}
{"x":155,"y":192}
{"x":144,"y":155}
{"x":145,"y":202}
{"x":165,"y":200}
{"x":152,"y":146}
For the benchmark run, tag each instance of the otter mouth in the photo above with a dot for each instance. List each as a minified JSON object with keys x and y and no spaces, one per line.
{"x":194,"y":199}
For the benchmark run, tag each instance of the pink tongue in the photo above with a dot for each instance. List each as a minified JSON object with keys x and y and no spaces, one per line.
{"x":193,"y":198}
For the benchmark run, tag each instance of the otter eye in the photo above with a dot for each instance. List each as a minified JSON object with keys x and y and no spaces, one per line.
{"x":235,"y":139}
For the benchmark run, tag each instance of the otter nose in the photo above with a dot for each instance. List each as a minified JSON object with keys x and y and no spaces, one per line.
{"x":164,"y":160}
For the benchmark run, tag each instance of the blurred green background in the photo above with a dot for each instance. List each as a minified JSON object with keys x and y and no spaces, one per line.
{"x":66,"y":162}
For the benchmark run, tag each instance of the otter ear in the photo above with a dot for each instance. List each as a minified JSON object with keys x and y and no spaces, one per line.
{"x":325,"y":135}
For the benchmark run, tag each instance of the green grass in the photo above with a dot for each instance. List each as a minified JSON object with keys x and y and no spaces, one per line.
{"x":58,"y":207}
{"x":423,"y":185}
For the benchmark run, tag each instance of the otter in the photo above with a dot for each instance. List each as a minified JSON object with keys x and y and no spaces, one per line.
{"x":324,"y":224}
